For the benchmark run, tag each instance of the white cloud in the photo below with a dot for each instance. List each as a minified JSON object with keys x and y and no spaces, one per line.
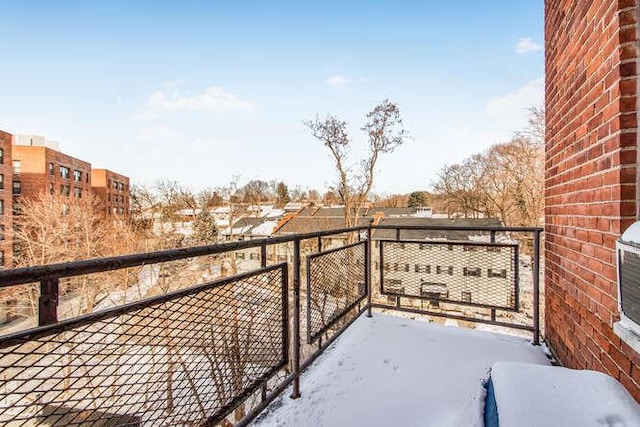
{"x":513,"y":107}
{"x":212,"y":100}
{"x":337,"y":80}
{"x":526,"y":45}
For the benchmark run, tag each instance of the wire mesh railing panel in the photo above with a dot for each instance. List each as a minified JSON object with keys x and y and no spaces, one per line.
{"x":473,"y":274}
{"x":335,"y":284}
{"x":185,"y":358}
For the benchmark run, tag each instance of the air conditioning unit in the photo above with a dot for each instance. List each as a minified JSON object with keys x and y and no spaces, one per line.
{"x":628,"y":256}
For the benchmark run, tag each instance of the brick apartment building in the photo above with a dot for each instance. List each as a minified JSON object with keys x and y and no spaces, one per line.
{"x":6,"y":217}
{"x":591,"y":178}
{"x":30,"y":166}
{"x":38,"y":169}
{"x":113,"y":191}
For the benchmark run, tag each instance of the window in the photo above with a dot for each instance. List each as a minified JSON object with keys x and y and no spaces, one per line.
{"x":406,"y":267}
{"x":472,"y":272}
{"x":17,"y":209}
{"x":240,"y":255}
{"x":64,"y":172}
{"x":422,"y":268}
{"x":282,"y":258}
{"x":17,"y":166}
{"x":497,"y":273}
{"x":51,"y":169}
{"x":1,"y":181}
{"x":1,"y":232}
{"x":77,"y":193}
{"x":65,"y":190}
{"x":393,"y":286}
{"x":51,"y":188}
{"x":395,"y":266}
{"x":2,"y":258}
{"x":254,"y":256}
{"x":1,"y":207}
{"x":495,"y":249}
{"x":1,"y":156}
{"x":466,"y":297}
{"x":77,"y":175}
{"x":17,"y":187}
{"x":469,"y":248}
{"x":441,"y":269}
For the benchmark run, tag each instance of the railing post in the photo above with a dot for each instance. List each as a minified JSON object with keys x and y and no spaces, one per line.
{"x":296,"y":319}
{"x":536,"y":287}
{"x":367,"y":268}
{"x":263,"y":255}
{"x":48,"y":301}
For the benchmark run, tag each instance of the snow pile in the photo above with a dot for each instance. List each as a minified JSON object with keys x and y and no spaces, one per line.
{"x":534,"y":395}
{"x":389,"y":370}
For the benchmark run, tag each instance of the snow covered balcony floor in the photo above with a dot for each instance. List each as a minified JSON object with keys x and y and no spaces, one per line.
{"x":388,"y":371}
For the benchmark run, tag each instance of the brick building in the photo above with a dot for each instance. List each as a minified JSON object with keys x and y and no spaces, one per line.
{"x":38,"y":169}
{"x":113,"y":191}
{"x":6,"y":217}
{"x":591,"y":175}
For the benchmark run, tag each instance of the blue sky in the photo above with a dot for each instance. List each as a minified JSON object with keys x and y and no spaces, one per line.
{"x":198,"y":91}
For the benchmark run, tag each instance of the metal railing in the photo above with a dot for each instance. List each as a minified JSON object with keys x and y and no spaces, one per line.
{"x":222,"y":350}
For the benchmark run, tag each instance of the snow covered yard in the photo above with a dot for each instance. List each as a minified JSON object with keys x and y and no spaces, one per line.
{"x":389,"y":370}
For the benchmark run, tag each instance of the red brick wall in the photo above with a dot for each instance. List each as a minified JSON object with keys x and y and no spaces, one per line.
{"x":112,"y":199}
{"x":35,"y":177}
{"x":6,"y":219}
{"x":590,"y":178}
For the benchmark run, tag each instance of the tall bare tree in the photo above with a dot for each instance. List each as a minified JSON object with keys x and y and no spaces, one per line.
{"x":384,"y":131}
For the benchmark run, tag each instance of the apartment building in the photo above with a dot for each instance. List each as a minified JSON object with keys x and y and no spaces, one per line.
{"x":113,"y":191}
{"x":39,"y":168}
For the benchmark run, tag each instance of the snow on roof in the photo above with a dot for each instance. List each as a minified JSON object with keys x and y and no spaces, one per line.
{"x":389,"y":370}
{"x":222,"y":210}
{"x":264,"y":229}
{"x":188,"y":211}
{"x":533,"y":395}
{"x":275,"y":213}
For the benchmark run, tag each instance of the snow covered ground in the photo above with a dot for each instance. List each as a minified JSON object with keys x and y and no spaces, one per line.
{"x":389,"y":370}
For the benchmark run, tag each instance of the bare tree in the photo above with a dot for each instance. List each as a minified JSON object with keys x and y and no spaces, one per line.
{"x":505,"y":182}
{"x":385,"y":132}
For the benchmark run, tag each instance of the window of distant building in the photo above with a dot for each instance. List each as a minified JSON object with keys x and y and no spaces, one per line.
{"x":17,"y":209}
{"x":17,"y":187}
{"x":254,"y":256}
{"x":422,"y":268}
{"x":64,"y":172}
{"x":77,"y":193}
{"x":1,"y":181}
{"x":77,"y":175}
{"x":1,"y":207}
{"x":51,"y":169}
{"x":472,"y":272}
{"x":1,"y":232}
{"x":1,"y":156}
{"x":51,"y":188}
{"x":466,"y":297}
{"x":17,"y":166}
{"x":502,"y":273}
{"x":65,"y":190}
{"x":441,"y":269}
{"x":2,"y":258}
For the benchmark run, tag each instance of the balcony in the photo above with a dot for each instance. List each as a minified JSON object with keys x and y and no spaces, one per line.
{"x":222,"y":350}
